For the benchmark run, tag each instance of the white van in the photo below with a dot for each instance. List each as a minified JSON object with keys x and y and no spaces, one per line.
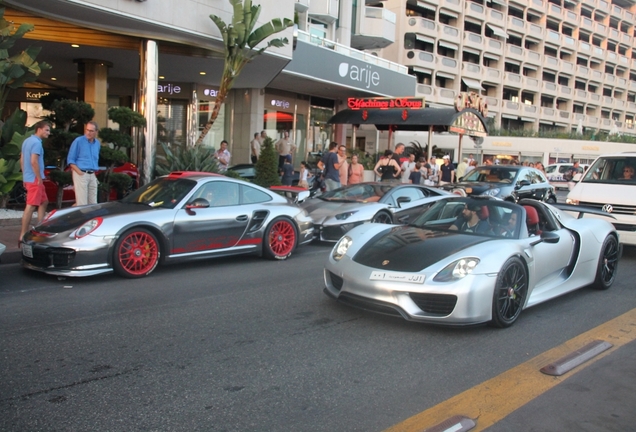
{"x":609,"y":185}
{"x":555,"y":174}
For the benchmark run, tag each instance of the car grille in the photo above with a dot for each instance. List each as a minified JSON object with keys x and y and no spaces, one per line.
{"x":629,"y":210}
{"x":51,"y":257}
{"x":371,"y":305}
{"x":332,"y":233}
{"x":436,"y":304}
{"x":336,"y":281}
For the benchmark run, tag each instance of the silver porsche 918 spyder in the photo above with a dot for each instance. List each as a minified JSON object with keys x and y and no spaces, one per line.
{"x":470,"y":260}
{"x":185,"y":215}
{"x":336,"y":212}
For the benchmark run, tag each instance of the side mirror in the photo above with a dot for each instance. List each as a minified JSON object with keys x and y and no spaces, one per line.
{"x":522,"y":183}
{"x":302,"y":196}
{"x":550,"y":237}
{"x":401,"y":200}
{"x":197,"y":204}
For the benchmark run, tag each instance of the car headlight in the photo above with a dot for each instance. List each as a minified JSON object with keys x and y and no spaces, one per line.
{"x":572,"y":201}
{"x":491,"y":192}
{"x":88,"y":228}
{"x":346,"y":215}
{"x":341,"y":248}
{"x":457,"y":270}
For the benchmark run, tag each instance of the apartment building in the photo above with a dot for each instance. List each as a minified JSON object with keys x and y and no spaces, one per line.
{"x":541,"y":64}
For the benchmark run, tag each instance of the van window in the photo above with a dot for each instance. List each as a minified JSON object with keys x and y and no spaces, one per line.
{"x":612,"y":170}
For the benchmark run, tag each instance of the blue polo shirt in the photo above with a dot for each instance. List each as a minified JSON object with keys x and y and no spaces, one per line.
{"x":32,"y":145}
{"x":84,"y":154}
{"x":331,"y":172}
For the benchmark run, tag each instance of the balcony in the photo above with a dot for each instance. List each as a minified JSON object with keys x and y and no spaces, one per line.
{"x":422,"y":25}
{"x":496,"y":47}
{"x":551,"y":62}
{"x":600,"y":29}
{"x":602,"y":5}
{"x":548,"y":113}
{"x":619,"y":104}
{"x":610,"y":78}
{"x":613,"y":34}
{"x":611,"y":56}
{"x":617,"y":12}
{"x":580,"y":95}
{"x":510,"y":108}
{"x":375,"y":30}
{"x":608,"y":101}
{"x":555,"y":11}
{"x":448,"y":65}
{"x":582,"y":71}
{"x":496,"y":17}
{"x":301,"y":6}
{"x":473,"y":40}
{"x":446,"y":96}
{"x":597,"y":76}
{"x":530,"y":111}
{"x":475,"y":10}
{"x":449,"y":33}
{"x":626,"y":39}
{"x":598,"y":53}
{"x":516,"y":24}
{"x":493,"y":75}
{"x":512,"y":80}
{"x":623,"y":61}
{"x":535,"y":31}
{"x":493,"y":104}
{"x":324,"y":10}
{"x":594,"y":99}
{"x":563,"y":115}
{"x":549,"y":88}
{"x":553,"y":37}
{"x":565,"y":92}
{"x":571,"y":17}
{"x":424,"y":90}
{"x":567,"y":67}
{"x":531,"y":84}
{"x":533,"y":57}
{"x":453,"y":5}
{"x":587,"y":24}
{"x":622,"y":83}
{"x":514,"y":52}
{"x":419,"y":58}
{"x":537,"y":5}
{"x":593,"y":121}
{"x":629,"y":17}
{"x":471,"y":70}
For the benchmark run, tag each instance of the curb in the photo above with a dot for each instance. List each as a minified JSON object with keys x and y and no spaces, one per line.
{"x":11,"y":257}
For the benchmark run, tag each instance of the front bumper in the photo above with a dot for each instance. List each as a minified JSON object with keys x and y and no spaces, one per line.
{"x":463,"y":302}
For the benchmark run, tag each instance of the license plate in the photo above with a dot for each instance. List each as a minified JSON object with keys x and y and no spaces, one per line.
{"x":27,"y":250}
{"x":397,"y":277}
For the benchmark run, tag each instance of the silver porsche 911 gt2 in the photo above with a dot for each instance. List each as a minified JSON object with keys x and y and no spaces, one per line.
{"x":185,"y":215}
{"x":470,"y":260}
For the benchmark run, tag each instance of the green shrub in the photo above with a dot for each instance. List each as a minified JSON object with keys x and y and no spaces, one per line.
{"x":178,"y":158}
{"x":267,"y":166}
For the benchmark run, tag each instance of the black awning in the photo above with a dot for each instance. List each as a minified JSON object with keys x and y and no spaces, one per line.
{"x":467,"y":122}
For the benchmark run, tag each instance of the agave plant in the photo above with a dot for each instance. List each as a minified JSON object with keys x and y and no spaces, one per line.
{"x":240,"y":39}
{"x":178,"y":158}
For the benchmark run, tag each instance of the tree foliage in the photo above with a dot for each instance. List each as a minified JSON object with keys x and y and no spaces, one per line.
{"x":179,"y":158}
{"x":240,"y":41}
{"x":18,"y":69}
{"x":267,"y":166}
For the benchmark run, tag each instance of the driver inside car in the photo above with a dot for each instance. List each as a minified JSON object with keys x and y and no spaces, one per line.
{"x":469,"y":220}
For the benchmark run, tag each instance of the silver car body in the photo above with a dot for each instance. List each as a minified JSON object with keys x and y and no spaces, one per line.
{"x":182,"y":233}
{"x":356,"y":204}
{"x":393,"y":269}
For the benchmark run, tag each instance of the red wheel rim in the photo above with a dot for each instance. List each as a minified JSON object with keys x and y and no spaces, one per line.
{"x":282,"y":238}
{"x":138,"y":253}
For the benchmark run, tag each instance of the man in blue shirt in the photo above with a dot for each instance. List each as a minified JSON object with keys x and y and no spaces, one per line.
{"x":32,"y":164}
{"x":83,"y":158}
{"x":330,"y":166}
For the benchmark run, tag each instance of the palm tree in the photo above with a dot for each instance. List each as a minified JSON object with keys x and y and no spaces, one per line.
{"x":239,"y":41}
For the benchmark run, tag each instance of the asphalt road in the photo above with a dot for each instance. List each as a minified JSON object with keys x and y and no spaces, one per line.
{"x":245,"y":344}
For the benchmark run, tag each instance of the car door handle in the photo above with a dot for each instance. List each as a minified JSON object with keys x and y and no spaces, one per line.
{"x":242,"y":218}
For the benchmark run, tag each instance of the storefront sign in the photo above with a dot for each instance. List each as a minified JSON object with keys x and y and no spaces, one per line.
{"x":468,"y":123}
{"x":35,"y":95}
{"x":210,"y":92}
{"x":280,"y":103}
{"x":168,"y":89}
{"x":384,"y":103}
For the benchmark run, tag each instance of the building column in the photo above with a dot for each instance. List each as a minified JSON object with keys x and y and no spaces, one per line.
{"x":148,"y":82}
{"x":245,"y":118}
{"x":93,"y":86}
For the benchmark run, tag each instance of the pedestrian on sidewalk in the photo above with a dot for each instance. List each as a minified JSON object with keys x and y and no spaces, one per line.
{"x":32,"y":164}
{"x":83,"y":158}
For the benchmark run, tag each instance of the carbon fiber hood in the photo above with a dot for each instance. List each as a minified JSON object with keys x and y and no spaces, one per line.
{"x":410,"y":249}
{"x":76,"y":218}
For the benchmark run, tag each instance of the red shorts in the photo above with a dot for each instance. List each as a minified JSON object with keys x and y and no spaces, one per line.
{"x":36,"y":194}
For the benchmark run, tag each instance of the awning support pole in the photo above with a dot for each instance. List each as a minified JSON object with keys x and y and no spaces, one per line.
{"x":430,"y":144}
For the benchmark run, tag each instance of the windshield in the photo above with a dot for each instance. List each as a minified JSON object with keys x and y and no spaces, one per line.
{"x":493,"y":174}
{"x":163,"y":192}
{"x":360,"y":192}
{"x":612,"y":170}
{"x":471,"y":216}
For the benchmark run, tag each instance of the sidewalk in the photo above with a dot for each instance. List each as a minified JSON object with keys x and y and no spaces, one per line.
{"x":10,"y":221}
